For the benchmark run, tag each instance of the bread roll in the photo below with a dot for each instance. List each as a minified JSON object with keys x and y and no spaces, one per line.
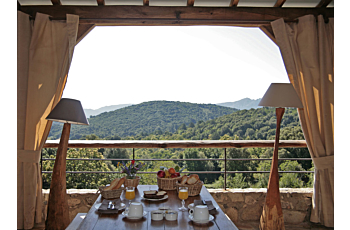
{"x":113,"y":183}
{"x":120,"y":182}
{"x":184,"y":180}
{"x":192,"y":179}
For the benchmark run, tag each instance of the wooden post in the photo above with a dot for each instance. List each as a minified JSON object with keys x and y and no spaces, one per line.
{"x":272,"y":215}
{"x":57,"y":210}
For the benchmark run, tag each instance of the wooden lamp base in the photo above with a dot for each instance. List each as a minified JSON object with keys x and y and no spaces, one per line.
{"x":272,"y":215}
{"x":57,"y":210}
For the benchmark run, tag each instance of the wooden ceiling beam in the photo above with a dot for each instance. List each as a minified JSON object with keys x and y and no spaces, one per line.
{"x":279,"y":3}
{"x":100,"y":2}
{"x":162,"y":15}
{"x":233,"y":3}
{"x":324,"y":3}
{"x":190,"y":2}
{"x":56,"y":2}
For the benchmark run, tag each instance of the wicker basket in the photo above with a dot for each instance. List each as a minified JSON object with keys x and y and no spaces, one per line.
{"x":132,"y":182}
{"x":193,"y":189}
{"x":167,"y":183}
{"x":111,"y":194}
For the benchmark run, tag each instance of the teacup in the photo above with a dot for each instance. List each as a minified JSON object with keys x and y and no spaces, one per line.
{"x":171,"y":215}
{"x":135,"y":209}
{"x":157,"y":215}
{"x":200,"y":212}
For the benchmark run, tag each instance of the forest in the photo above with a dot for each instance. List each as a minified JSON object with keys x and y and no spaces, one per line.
{"x":144,"y":118}
{"x":253,"y":124}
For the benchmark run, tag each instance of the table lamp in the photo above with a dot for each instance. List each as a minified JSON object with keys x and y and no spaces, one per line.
{"x":68,"y":111}
{"x":278,"y":95}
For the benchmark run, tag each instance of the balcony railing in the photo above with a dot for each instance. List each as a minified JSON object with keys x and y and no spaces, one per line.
{"x":181,"y":144}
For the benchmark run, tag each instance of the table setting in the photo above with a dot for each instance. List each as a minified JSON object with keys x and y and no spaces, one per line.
{"x":183,"y":203}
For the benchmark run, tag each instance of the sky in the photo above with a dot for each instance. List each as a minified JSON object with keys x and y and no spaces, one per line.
{"x":198,"y":64}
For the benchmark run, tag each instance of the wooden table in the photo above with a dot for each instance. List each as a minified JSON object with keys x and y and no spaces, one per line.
{"x":96,"y":221}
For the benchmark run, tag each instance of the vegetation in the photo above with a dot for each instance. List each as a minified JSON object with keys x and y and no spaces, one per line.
{"x":253,"y":124}
{"x":142,"y":119}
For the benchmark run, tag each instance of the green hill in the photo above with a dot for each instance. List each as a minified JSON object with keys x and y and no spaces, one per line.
{"x":253,"y":124}
{"x":144,"y":118}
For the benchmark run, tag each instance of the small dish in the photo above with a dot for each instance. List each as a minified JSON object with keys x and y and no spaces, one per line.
{"x":201,"y":221}
{"x":134,"y":217}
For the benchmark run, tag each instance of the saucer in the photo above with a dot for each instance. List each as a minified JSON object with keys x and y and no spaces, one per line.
{"x":134,"y":217}
{"x":201,"y":221}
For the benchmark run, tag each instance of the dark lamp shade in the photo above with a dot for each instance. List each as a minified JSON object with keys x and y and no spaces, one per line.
{"x":68,"y":111}
{"x":281,"y":95}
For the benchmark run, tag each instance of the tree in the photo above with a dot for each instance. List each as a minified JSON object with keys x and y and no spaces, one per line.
{"x":83,"y":180}
{"x":291,"y":180}
{"x":197,"y":165}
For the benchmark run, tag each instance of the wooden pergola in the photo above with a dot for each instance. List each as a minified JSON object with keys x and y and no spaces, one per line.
{"x":235,"y":13}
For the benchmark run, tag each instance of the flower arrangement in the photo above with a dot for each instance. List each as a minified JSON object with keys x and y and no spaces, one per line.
{"x":130,"y":168}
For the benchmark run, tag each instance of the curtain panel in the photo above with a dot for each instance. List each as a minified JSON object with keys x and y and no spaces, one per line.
{"x":44,"y":54}
{"x":307,"y":48}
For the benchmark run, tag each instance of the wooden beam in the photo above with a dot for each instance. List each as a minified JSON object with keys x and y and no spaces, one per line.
{"x":100,"y":2}
{"x":267,"y":29}
{"x":177,"y":144}
{"x":83,"y":30}
{"x":190,"y":2}
{"x":146,"y":15}
{"x":233,"y":3}
{"x":146,"y":2}
{"x":56,"y":2}
{"x":279,"y":3}
{"x":324,"y":3}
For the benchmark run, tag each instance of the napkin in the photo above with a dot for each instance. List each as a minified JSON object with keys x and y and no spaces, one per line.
{"x":211,"y":208}
{"x":103,"y":208}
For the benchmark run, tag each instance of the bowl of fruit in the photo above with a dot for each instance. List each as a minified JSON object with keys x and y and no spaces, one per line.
{"x":166,"y":178}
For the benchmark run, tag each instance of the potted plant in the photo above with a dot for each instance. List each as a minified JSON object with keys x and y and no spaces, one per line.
{"x":130,"y":169}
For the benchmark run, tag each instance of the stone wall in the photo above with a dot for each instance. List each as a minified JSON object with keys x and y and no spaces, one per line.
{"x":242,"y":206}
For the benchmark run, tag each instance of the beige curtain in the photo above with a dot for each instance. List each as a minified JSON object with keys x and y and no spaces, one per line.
{"x":44,"y":54}
{"x":307,"y":49}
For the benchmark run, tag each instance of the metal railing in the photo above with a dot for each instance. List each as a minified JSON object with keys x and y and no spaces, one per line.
{"x":180,"y":144}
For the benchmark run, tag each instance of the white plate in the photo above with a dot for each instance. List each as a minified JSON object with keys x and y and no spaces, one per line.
{"x":133,"y":217}
{"x":201,"y":221}
{"x":165,"y":197}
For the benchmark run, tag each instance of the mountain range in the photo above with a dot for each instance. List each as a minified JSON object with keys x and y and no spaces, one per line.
{"x":94,"y":112}
{"x":143,"y":119}
{"x":245,"y":103}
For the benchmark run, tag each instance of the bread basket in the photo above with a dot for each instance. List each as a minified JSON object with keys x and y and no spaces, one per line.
{"x":111,"y":194}
{"x":167,"y":183}
{"x":193,"y":189}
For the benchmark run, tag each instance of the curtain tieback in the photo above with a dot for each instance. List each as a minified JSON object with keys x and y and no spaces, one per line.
{"x":29,"y":156}
{"x":324,"y":162}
